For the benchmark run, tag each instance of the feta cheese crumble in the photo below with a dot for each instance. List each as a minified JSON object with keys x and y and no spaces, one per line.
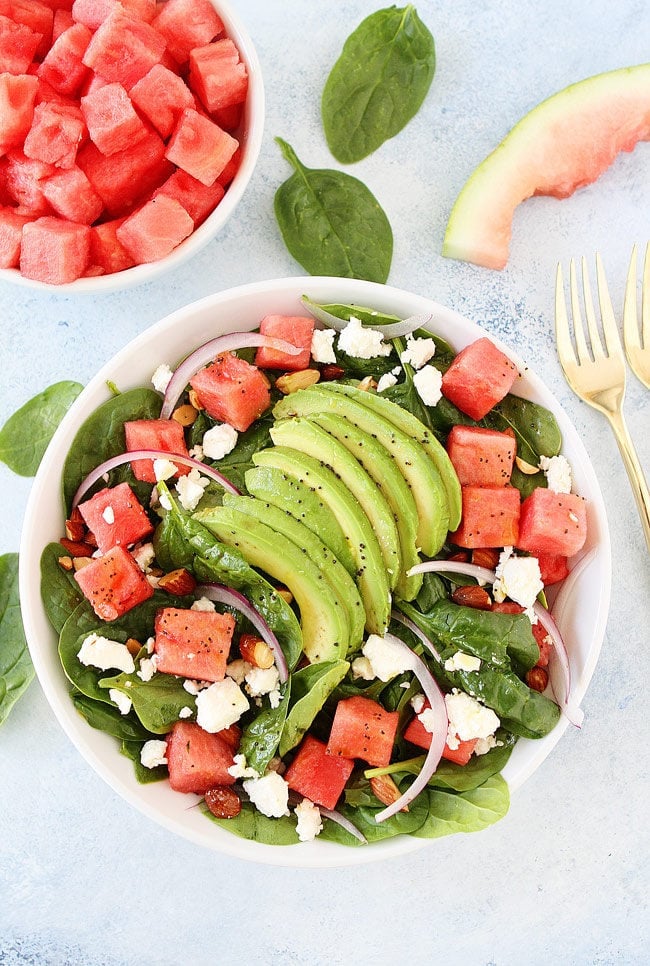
{"x":309,"y":821}
{"x":418,"y":351}
{"x":241,"y":770}
{"x":185,"y":712}
{"x":109,"y":514}
{"x":362,"y":668}
{"x":190,"y":489}
{"x":462,"y":662}
{"x":237,"y":670}
{"x":105,"y":654}
{"x":219,"y":441}
{"x":260,"y":681}
{"x":203,"y":604}
{"x":153,"y":753}
{"x":161,"y":377}
{"x":417,"y":702}
{"x":144,"y":556}
{"x":193,"y":687}
{"x":427,"y":719}
{"x":269,"y":794}
{"x":148,"y":667}
{"x":386,"y":658}
{"x":362,"y":343}
{"x":123,"y":701}
{"x":220,"y":705}
{"x":518,"y":578}
{"x":386,"y":381}
{"x":322,"y":345}
{"x":468,"y":719}
{"x":163,"y":469}
{"x":428,"y":382}
{"x":557,"y":471}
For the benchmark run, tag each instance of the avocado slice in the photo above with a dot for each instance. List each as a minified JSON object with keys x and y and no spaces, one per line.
{"x":380,"y":465}
{"x":335,"y":573}
{"x":412,"y":426}
{"x":411,"y":458}
{"x":371,"y":577}
{"x":285,"y":491}
{"x":322,"y":616}
{"x":303,"y":435}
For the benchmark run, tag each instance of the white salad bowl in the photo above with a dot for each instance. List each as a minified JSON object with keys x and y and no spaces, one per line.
{"x":168,"y":341}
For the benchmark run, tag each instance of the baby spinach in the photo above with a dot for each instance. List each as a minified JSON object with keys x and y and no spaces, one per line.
{"x":251,"y":824}
{"x":261,"y":736}
{"x":16,"y":671}
{"x":157,"y":702}
{"x":25,"y":436}
{"x":311,"y":686}
{"x":534,"y":426}
{"x":378,"y":83}
{"x":60,"y":592}
{"x":132,"y":750}
{"x":469,"y":811}
{"x":108,"y":718}
{"x":332,"y":224}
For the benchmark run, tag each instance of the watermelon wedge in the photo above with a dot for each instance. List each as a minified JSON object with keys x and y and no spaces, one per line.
{"x":563,"y":144}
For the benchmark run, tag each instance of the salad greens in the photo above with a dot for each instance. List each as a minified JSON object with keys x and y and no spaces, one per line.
{"x":26,"y":434}
{"x":16,"y":671}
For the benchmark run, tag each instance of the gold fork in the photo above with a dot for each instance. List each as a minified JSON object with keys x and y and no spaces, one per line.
{"x":637,"y":349}
{"x":598,"y":377}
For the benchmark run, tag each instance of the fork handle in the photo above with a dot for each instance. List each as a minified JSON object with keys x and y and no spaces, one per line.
{"x":634,"y":471}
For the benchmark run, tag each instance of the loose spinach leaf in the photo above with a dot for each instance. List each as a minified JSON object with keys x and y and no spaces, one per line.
{"x":240,"y":459}
{"x":261,"y":736}
{"x":458,"y":778}
{"x":535,"y":427}
{"x":60,"y":592}
{"x":311,"y":687}
{"x":108,"y":718}
{"x":157,"y":702}
{"x":25,"y":436}
{"x":363,"y":817}
{"x":378,"y":83}
{"x":469,"y":811}
{"x":132,"y":750}
{"x":332,"y":224}
{"x":251,"y":824}
{"x":16,"y":671}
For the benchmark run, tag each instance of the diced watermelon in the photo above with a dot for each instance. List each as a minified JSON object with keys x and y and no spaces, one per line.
{"x":162,"y":434}
{"x":478,"y":378}
{"x":552,"y":567}
{"x":124,"y":49}
{"x":45,"y":93}
{"x":162,"y":95}
{"x":363,"y":729}
{"x":481,"y":457}
{"x":490,"y":517}
{"x":33,"y":14}
{"x":113,"y":584}
{"x":198,"y":761}
{"x":106,"y":251}
{"x":316,"y":775}
{"x":231,"y":169}
{"x":554,"y":523}
{"x":295,"y":329}
{"x":217,"y":75}
{"x":17,"y":46}
{"x":116,"y":517}
{"x":72,"y":196}
{"x":156,"y":229}
{"x":56,"y":133}
{"x":200,"y":147}
{"x":417,"y":734}
{"x":94,"y":12}
{"x":122,"y":180}
{"x":54,"y":250}
{"x":197,"y":199}
{"x":232,"y":391}
{"x":62,"y":20}
{"x":17,"y":96}
{"x":113,"y":124}
{"x":24,"y":179}
{"x":229,"y":118}
{"x":11,"y":233}
{"x":186,"y":24}
{"x":63,"y":66}
{"x":193,"y":643}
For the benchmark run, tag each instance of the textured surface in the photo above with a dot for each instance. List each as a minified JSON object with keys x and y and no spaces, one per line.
{"x":85,"y":879}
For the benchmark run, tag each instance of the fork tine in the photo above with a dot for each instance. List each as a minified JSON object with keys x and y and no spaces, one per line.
{"x":578,"y":327}
{"x":610,"y":328}
{"x":596,"y":344}
{"x":645,"y":298}
{"x":562,"y":336}
{"x":630,"y":321}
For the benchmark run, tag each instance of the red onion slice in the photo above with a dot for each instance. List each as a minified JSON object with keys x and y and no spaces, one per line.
{"x":412,"y":626}
{"x":482,"y":574}
{"x":438,"y":737}
{"x":344,"y":822}
{"x":207,"y":353}
{"x":233,"y":598}
{"x":151,"y":454}
{"x":390,"y":331}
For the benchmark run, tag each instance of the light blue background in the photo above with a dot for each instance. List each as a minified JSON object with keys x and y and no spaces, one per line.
{"x":84,"y":878}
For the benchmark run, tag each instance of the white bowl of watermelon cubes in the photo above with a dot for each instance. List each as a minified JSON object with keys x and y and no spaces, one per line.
{"x":263,"y":547}
{"x":128,"y":134}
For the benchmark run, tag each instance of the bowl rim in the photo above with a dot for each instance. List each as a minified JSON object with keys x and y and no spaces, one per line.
{"x":251,"y":136}
{"x":92,"y":744}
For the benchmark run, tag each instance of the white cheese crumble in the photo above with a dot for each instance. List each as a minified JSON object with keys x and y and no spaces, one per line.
{"x":104,"y":653}
{"x":123,"y":701}
{"x":309,"y":821}
{"x":518,"y":578}
{"x":148,"y":667}
{"x":161,"y":377}
{"x":190,"y":489}
{"x":241,"y":770}
{"x":468,"y":719}
{"x":220,"y":705}
{"x":275,"y":696}
{"x":428,"y":382}
{"x":483,"y":745}
{"x":386,"y":658}
{"x":557,"y":470}
{"x":109,"y":514}
{"x":163,"y":469}
{"x":418,"y":351}
{"x":417,"y":702}
{"x":269,"y":794}
{"x":144,"y":556}
{"x":203,"y":604}
{"x":386,"y":381}
{"x":427,"y":718}
{"x":260,"y":681}
{"x":219,"y":441}
{"x":322,"y":345}
{"x":237,"y":670}
{"x":462,"y":662}
{"x":362,"y":343}
{"x":153,"y":753}
{"x":193,"y":687}
{"x":362,"y":668}
{"x":197,"y":452}
{"x":185,"y":712}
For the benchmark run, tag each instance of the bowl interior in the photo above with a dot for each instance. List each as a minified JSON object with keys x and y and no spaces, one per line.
{"x":167,"y":342}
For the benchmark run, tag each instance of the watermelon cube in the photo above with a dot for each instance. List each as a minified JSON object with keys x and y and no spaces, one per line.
{"x":35,"y":15}
{"x":200,"y":147}
{"x":62,"y":20}
{"x":17,"y":46}
{"x":161,"y":434}
{"x":417,"y":734}
{"x":116,"y":518}
{"x":125,"y":177}
{"x":54,"y":250}
{"x":156,"y":229}
{"x":198,"y":761}
{"x":55,"y":135}
{"x":24,"y":180}
{"x":72,"y":196}
{"x":11,"y":233}
{"x":363,"y":729}
{"x":113,"y":124}
{"x":490,"y":517}
{"x":229,"y":118}
{"x":124,"y":49}
{"x":193,"y":643}
{"x":316,"y":775}
{"x":218,"y":76}
{"x":186,"y":24}
{"x":552,"y":522}
{"x":231,"y":169}
{"x":297,"y":330}
{"x":481,"y":457}
{"x":107,"y":254}
{"x":162,"y":96}
{"x":113,"y":584}
{"x":478,"y":378}
{"x":197,"y":199}
{"x":93,"y":13}
{"x":63,"y":66}
{"x":232,"y":391}
{"x":552,"y":567}
{"x":17,"y":96}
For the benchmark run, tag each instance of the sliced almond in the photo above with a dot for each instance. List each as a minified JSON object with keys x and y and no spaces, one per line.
{"x":293,"y":381}
{"x":80,"y":562}
{"x":194,"y":400}
{"x":66,"y":563}
{"x":285,"y":594}
{"x":525,"y":467}
{"x":472,"y":596}
{"x":256,"y":651}
{"x":384,"y":788}
{"x":75,"y":530}
{"x":76,"y":548}
{"x":179,"y":582}
{"x":185,"y":414}
{"x":367,"y":383}
{"x":485,"y":557}
{"x":134,"y":647}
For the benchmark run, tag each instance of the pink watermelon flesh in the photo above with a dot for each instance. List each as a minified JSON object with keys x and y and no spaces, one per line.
{"x":17,"y":46}
{"x":55,"y":135}
{"x":38,"y":17}
{"x":124,"y":49}
{"x":186,"y":24}
{"x":217,"y":75}
{"x":127,"y":176}
{"x":63,"y":67}
{"x":161,"y":95}
{"x":197,"y":199}
{"x":113,"y":124}
{"x":24,"y":178}
{"x":72,"y":196}
{"x":54,"y":250}
{"x":200,"y":147}
{"x":563,"y":144}
{"x":11,"y":233}
{"x":107,"y":254}
{"x":155,"y":230}
{"x":17,"y":96}
{"x":62,"y":20}
{"x":92,"y":13}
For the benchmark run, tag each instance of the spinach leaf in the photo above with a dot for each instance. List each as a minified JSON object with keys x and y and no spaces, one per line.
{"x":332,"y":224}
{"x":534,"y":426}
{"x":468,"y":811}
{"x":144,"y":776}
{"x":26,"y":434}
{"x":311,"y":686}
{"x":157,"y":702}
{"x":240,"y":459}
{"x":108,"y":718}
{"x":60,"y":592}
{"x":363,"y":817}
{"x":458,"y":778}
{"x":16,"y":671}
{"x":251,"y":824}
{"x":378,"y":83}
{"x":261,"y":736}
